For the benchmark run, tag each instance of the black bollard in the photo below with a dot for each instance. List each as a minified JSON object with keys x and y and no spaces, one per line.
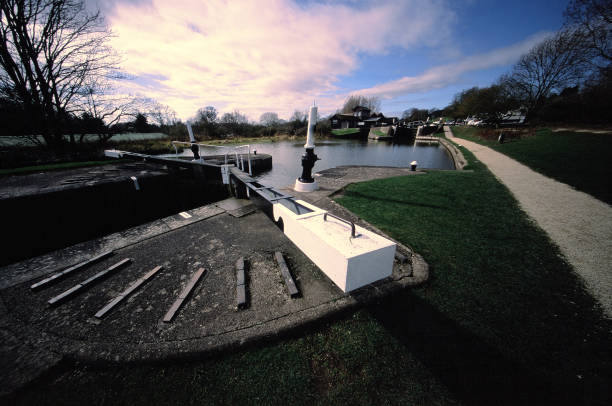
{"x":308,"y":160}
{"x":196,"y":151}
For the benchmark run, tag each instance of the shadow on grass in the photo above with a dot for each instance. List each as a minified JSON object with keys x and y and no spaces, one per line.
{"x":351,"y":193}
{"x":473,"y":371}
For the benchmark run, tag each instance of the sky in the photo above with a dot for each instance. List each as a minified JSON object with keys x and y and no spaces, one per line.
{"x":279,"y":56}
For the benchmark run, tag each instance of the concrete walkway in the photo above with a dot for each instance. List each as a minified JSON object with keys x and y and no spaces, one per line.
{"x":578,"y":223}
{"x":35,"y":336}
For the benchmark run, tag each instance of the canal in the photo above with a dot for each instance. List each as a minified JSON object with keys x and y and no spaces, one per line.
{"x":286,"y":157}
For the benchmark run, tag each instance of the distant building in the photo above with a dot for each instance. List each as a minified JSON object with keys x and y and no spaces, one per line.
{"x":361,"y":117}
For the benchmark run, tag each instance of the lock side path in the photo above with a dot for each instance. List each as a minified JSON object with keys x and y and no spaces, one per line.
{"x":578,"y":223}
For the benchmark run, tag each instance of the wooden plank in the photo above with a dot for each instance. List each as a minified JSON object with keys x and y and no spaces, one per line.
{"x":240,"y":296}
{"x":135,"y":285}
{"x":240,"y":271}
{"x":60,"y":275}
{"x":183,"y":295}
{"x":240,"y":284}
{"x":293,"y":291}
{"x":88,"y":282}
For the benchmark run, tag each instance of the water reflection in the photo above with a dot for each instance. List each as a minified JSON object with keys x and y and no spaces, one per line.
{"x":286,"y":157}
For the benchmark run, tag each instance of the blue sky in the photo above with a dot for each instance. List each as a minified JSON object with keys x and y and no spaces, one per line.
{"x":280,"y":55}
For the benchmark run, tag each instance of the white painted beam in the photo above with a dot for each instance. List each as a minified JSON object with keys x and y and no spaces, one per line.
{"x":350,"y":262}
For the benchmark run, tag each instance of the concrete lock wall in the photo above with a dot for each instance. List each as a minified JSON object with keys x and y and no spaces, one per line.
{"x":42,"y":222}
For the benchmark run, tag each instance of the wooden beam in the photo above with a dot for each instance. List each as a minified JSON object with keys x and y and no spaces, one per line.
{"x":178,"y":303}
{"x":62,"y":274}
{"x":139,"y":282}
{"x":87,"y":283}
{"x":289,"y":282}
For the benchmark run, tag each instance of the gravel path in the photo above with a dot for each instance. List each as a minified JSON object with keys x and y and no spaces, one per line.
{"x":578,"y":223}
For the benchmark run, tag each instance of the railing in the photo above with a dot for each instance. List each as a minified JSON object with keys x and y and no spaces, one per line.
{"x":239,"y":162}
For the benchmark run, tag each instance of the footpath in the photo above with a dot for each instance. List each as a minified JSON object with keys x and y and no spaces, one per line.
{"x":578,"y":223}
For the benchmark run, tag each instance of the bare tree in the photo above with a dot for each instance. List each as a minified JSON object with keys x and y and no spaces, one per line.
{"x":593,"y":19}
{"x":235,"y":117}
{"x":415,"y":114}
{"x":161,"y":114}
{"x":298,"y":116}
{"x":207,"y":115}
{"x":354,"y":100}
{"x":269,"y":119}
{"x":51,"y":54}
{"x":555,"y":63}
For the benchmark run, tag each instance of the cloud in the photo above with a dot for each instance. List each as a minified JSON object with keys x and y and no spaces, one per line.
{"x":265,"y":55}
{"x":444,"y":75}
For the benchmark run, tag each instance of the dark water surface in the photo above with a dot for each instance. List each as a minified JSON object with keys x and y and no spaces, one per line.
{"x":286,"y":157}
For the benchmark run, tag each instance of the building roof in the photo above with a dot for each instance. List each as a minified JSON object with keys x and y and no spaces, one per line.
{"x":345,"y":116}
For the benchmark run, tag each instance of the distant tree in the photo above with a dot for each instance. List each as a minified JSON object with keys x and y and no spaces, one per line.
{"x":234,"y":123}
{"x":161,"y":114}
{"x":298,"y":116}
{"x":554,"y":64}
{"x":415,"y":114}
{"x":235,"y":117}
{"x":269,"y":119}
{"x":207,"y":115}
{"x":206,"y":122}
{"x":592,"y":19}
{"x":50,"y":52}
{"x":298,"y":120}
{"x":100,"y":102}
{"x":354,"y":100}
{"x":141,"y":124}
{"x":488,"y":103}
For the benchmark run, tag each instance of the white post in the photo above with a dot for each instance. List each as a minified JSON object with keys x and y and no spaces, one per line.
{"x":312,"y":121}
{"x":190,"y":131}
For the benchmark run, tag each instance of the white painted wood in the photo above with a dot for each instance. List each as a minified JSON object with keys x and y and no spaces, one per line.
{"x":349,"y":262}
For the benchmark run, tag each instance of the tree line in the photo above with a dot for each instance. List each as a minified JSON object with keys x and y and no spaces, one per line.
{"x":56,"y":70}
{"x":565,"y":78}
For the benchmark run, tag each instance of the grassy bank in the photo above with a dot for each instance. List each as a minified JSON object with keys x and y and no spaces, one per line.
{"x":497,"y":281}
{"x":253,"y":140}
{"x":503,"y":320}
{"x":581,"y":160}
{"x":344,"y":131}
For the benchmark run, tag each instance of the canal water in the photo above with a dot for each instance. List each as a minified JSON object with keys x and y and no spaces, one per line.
{"x":286,"y":157}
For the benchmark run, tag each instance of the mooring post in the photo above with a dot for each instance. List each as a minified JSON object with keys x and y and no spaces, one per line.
{"x":195,"y":148}
{"x":306,"y":183}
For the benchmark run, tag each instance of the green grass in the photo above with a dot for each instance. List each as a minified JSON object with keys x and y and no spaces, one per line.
{"x":54,"y":167}
{"x":502,"y":320}
{"x":253,"y":140}
{"x":345,"y":131}
{"x":471,"y":133}
{"x":581,"y":160}
{"x":495,"y":275}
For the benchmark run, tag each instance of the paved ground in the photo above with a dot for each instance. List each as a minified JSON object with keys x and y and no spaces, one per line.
{"x":578,"y":223}
{"x":35,"y":336}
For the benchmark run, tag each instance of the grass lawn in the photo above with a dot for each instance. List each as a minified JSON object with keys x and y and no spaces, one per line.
{"x":502,"y":320}
{"x":345,"y":131}
{"x":581,"y":160}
